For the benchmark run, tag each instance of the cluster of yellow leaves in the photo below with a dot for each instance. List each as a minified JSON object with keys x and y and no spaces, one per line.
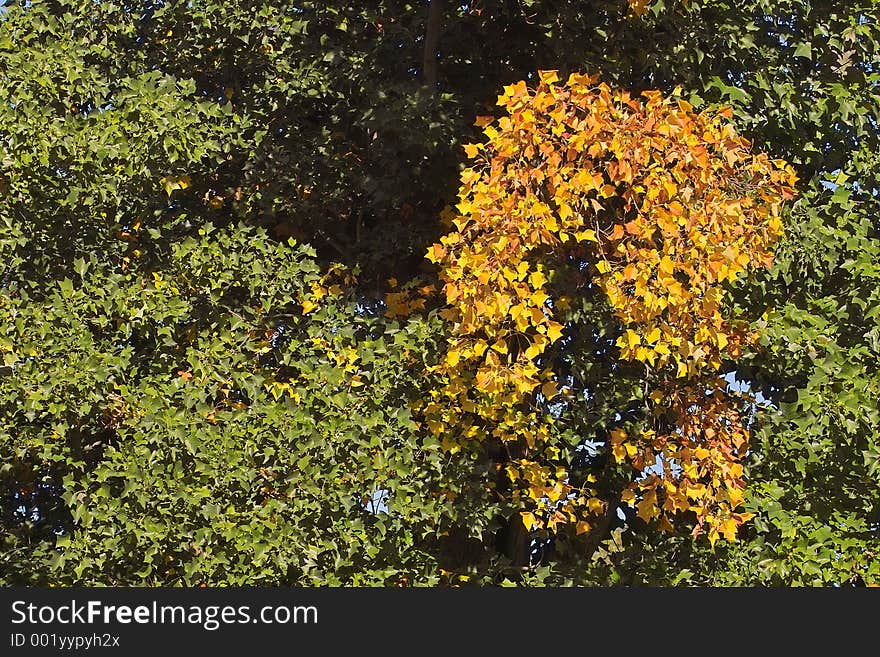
{"x":175,"y":182}
{"x":346,"y":358}
{"x":159,"y":284}
{"x":696,"y":466}
{"x":698,"y":210}
{"x":279,"y":388}
{"x":639,"y":7}
{"x":333,"y":282}
{"x":669,"y":204}
{"x":403,"y":300}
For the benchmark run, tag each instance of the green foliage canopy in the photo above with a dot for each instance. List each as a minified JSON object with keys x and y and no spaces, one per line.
{"x":177,"y":180}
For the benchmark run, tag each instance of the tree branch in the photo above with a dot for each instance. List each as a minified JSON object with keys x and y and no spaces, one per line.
{"x":432,"y":40}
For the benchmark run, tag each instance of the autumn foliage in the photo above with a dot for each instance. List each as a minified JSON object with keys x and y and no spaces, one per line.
{"x":666,"y":206}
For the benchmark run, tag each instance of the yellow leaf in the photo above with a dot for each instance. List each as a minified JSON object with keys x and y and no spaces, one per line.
{"x":586,"y":235}
{"x":548,"y":77}
{"x":528,"y":520}
{"x":632,"y":338}
{"x":534,"y":350}
{"x":682,"y":369}
{"x":554,"y":331}
{"x":538,"y":298}
{"x":582,"y":527}
{"x":452,"y":357}
{"x":646,"y":509}
{"x":603,"y":267}
{"x":735,"y":497}
{"x":549,"y":389}
{"x":170,"y":184}
{"x":728,"y":529}
{"x":639,"y":7}
{"x":665,"y":525}
{"x":713,"y":536}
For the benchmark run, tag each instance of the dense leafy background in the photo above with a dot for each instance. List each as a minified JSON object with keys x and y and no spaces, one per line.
{"x":177,"y":180}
